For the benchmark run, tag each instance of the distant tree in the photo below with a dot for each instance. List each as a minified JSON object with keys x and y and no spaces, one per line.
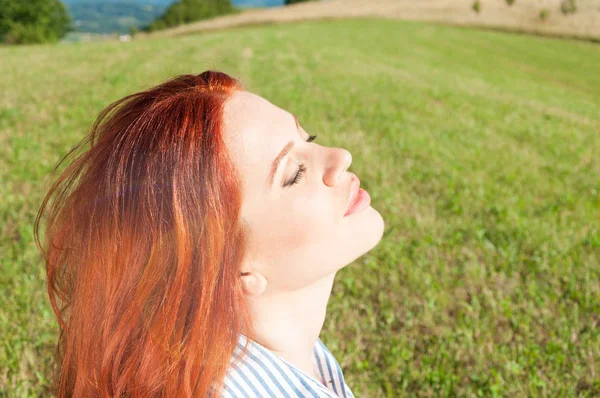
{"x":544,"y":14}
{"x":476,"y":6}
{"x":510,"y":2}
{"x":568,"y":6}
{"x":133,"y":30}
{"x":33,"y":21}
{"x":186,"y":11}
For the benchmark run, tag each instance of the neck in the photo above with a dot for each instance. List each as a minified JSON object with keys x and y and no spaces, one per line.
{"x":289,"y":322}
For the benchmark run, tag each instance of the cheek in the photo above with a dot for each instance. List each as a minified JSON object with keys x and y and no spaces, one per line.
{"x":296,"y":224}
{"x":294,"y":238}
{"x":306,"y":221}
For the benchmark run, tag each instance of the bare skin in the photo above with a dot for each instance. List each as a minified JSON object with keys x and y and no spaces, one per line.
{"x":298,"y":234}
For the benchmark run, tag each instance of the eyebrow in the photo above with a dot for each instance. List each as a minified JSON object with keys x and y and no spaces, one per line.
{"x":288,"y":147}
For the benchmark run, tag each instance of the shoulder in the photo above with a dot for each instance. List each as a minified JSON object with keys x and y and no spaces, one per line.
{"x":260,"y":373}
{"x":331,"y":370}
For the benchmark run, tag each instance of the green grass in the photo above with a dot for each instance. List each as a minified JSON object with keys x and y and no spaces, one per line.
{"x":481,"y":150}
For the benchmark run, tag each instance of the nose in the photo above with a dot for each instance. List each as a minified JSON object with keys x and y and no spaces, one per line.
{"x":338,"y":161}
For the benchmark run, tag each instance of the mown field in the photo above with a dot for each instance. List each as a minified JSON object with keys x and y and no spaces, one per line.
{"x":480,"y":149}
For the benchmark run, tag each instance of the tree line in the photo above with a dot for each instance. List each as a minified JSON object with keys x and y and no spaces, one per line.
{"x":47,"y":21}
{"x":33,"y":21}
{"x":186,"y":11}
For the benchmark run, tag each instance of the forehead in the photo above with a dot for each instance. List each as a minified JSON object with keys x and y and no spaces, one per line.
{"x":254,"y":131}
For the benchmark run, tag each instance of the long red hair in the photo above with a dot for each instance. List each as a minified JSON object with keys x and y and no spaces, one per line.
{"x":143,"y":246}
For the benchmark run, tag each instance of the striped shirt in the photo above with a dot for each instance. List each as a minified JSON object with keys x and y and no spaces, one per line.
{"x":262,"y":373}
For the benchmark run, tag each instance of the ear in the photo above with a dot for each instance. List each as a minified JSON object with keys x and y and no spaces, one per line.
{"x":253,"y":283}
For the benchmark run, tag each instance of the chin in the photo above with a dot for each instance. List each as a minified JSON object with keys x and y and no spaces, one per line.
{"x":376,"y":227}
{"x":370,"y":231}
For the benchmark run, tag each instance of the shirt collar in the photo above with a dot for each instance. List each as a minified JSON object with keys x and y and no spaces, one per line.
{"x":321,"y":356}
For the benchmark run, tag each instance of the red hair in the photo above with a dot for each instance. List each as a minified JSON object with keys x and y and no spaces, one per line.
{"x":143,"y":247}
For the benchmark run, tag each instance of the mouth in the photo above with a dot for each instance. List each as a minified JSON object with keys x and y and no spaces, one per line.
{"x":359,"y":198}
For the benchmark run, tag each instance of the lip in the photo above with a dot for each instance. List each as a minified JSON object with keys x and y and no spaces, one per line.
{"x":354,"y":186}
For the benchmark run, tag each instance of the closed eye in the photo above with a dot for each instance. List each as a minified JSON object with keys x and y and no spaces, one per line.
{"x":301,"y":169}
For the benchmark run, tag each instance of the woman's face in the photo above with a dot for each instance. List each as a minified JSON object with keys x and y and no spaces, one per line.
{"x":297,"y":233}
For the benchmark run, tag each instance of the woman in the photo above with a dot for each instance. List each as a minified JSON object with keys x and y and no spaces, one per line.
{"x":192,"y":248}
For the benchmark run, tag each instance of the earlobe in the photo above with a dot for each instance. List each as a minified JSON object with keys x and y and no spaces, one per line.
{"x":253,"y":283}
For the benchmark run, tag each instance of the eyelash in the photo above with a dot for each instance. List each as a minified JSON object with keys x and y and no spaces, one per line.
{"x":302,"y":168}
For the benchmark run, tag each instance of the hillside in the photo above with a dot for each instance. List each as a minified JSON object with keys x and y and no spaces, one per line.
{"x":479,"y":148}
{"x":109,"y":16}
{"x":162,"y":3}
{"x":523,"y":16}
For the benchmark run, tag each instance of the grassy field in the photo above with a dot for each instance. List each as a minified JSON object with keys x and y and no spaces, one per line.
{"x":522,"y":16}
{"x":481,"y":150}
